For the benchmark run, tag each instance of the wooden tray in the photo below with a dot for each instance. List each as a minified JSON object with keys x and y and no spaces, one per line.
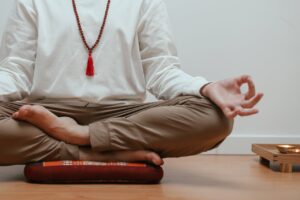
{"x":269,"y":153}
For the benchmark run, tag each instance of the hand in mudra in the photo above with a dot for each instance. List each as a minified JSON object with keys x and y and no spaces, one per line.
{"x":228,"y":96}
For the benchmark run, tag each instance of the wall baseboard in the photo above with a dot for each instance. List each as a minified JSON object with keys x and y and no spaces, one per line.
{"x":241,"y":144}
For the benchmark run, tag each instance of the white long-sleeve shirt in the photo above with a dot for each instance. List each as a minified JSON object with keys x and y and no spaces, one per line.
{"x":43,"y":57}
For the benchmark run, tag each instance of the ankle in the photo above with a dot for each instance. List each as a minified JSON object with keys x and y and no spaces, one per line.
{"x":83,"y":138}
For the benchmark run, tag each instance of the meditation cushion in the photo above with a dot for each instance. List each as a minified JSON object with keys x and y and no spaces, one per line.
{"x":92,"y":172}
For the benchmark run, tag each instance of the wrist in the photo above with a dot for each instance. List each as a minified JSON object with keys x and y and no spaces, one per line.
{"x":203,"y":90}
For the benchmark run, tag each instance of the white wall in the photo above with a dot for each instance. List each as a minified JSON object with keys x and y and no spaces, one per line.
{"x":226,"y":38}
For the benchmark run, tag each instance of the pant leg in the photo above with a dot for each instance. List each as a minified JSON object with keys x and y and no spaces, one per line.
{"x":183,"y":126}
{"x":22,"y":143}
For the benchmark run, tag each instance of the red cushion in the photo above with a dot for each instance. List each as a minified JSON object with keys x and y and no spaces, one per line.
{"x":89,"y":172}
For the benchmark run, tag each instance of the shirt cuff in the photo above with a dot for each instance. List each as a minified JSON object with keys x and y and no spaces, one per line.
{"x":198,"y":84}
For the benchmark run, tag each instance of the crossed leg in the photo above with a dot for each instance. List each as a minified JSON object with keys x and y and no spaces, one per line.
{"x":24,"y":140}
{"x":180,"y":127}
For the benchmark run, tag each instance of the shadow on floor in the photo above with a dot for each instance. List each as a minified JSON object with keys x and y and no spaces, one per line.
{"x":275,"y":166}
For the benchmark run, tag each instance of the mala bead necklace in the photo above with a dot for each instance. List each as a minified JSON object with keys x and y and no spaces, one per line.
{"x":90,"y":71}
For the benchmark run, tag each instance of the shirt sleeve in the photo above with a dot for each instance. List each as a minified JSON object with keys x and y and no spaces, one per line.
{"x":161,"y":65}
{"x":18,"y":52}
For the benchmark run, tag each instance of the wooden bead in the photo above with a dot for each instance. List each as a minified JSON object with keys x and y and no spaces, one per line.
{"x":90,"y":49}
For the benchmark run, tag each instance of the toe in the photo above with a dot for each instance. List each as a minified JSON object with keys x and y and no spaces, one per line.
{"x":136,"y":156}
{"x":21,"y":113}
{"x":24,"y":112}
{"x":15,"y":115}
{"x":154,"y":158}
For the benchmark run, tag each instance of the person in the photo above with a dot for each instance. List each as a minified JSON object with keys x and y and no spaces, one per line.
{"x":64,"y":96}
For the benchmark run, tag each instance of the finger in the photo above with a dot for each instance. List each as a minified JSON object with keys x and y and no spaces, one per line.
{"x":246,"y":112}
{"x":252,"y":102}
{"x":242,"y":79}
{"x":251,"y":89}
{"x":246,"y":79}
{"x":230,"y":113}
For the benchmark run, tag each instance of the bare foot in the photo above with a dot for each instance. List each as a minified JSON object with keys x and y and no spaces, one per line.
{"x":62,"y":128}
{"x":87,"y":154}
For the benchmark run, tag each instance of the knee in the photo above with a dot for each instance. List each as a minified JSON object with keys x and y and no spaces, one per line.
{"x":222,"y":125}
{"x":218,"y":129}
{"x":16,"y":143}
{"x":201,"y":135}
{"x":211,"y":127}
{"x":21,"y":143}
{"x":222,"y":129}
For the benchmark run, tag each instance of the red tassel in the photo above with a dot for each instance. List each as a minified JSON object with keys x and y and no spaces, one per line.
{"x":90,"y":66}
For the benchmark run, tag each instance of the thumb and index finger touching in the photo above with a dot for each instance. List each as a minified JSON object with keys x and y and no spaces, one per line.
{"x":246,"y":107}
{"x":251,"y":94}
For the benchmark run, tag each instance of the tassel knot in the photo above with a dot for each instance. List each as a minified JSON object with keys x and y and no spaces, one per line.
{"x":90,"y":66}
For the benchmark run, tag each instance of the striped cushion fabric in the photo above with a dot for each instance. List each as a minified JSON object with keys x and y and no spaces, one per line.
{"x":92,"y":172}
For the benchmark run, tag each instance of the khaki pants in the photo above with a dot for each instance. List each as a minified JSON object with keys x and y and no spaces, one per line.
{"x":182,"y":126}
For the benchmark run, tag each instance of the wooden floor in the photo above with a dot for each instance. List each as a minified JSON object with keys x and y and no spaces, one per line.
{"x":205,"y":177}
